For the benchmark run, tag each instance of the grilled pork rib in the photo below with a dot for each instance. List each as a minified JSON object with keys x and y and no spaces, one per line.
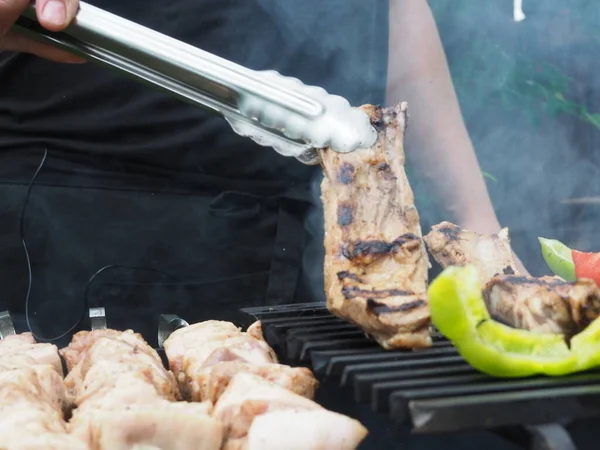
{"x":375,"y":260}
{"x":206,"y":356}
{"x":547,"y":304}
{"x":126,"y":398}
{"x":490,"y":254}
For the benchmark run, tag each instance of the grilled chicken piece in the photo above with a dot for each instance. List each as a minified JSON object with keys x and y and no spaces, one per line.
{"x":126,"y":399}
{"x":207,"y":355}
{"x":490,"y":254}
{"x":547,"y":304}
{"x":375,"y":259}
{"x":32,"y":396}
{"x":260,"y":415}
{"x":210,"y":383}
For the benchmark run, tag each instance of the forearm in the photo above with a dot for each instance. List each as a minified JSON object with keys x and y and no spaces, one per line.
{"x":437,"y":138}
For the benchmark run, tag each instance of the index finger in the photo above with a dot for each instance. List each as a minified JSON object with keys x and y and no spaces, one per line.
{"x":10,"y":10}
{"x":55,"y":15}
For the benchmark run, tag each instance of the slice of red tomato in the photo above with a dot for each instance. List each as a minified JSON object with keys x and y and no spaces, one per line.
{"x":587,"y":265}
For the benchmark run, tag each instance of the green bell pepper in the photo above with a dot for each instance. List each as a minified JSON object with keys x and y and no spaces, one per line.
{"x":459,"y":313}
{"x":570,"y":264}
{"x":517,"y":353}
{"x":559,"y":258}
{"x":587,"y":346}
{"x":457,"y":318}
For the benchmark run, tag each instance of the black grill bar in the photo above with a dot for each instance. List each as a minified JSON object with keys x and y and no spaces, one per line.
{"x":537,"y":406}
{"x":435,"y":390}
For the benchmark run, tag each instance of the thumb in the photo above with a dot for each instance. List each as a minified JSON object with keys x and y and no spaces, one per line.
{"x":55,"y":15}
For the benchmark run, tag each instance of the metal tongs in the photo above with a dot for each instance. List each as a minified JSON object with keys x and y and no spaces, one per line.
{"x":267,"y":107}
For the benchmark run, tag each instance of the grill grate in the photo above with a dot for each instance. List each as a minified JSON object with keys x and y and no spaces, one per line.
{"x":435,"y":390}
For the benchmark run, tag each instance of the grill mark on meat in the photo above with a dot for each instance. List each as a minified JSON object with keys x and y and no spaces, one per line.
{"x":450,"y":233}
{"x":344,"y":214}
{"x":351,"y":292}
{"x":587,"y":315}
{"x":368,"y":248}
{"x":377,"y":308}
{"x":344,"y":274}
{"x":386,"y":170}
{"x":377,"y":118}
{"x":518,"y":279}
{"x":508,"y":270}
{"x":368,"y":251}
{"x":346,"y":173}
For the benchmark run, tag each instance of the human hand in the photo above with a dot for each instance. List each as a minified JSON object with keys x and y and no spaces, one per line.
{"x":54,"y":15}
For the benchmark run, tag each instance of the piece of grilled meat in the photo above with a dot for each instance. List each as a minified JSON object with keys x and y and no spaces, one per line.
{"x":547,"y":304}
{"x":375,"y":259}
{"x":450,"y":245}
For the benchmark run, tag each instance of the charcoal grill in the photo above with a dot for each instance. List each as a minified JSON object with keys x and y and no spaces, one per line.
{"x":433,"y":390}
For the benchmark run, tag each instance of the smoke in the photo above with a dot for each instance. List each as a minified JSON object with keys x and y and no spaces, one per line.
{"x":314,"y":253}
{"x":529,"y":95}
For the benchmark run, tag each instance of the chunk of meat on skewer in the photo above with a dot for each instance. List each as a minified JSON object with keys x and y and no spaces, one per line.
{"x":375,"y":259}
{"x":32,"y":396}
{"x":25,"y":344}
{"x":162,"y":425}
{"x":300,"y":430}
{"x":259,"y":414}
{"x":126,"y":399}
{"x":111,"y":364}
{"x":210,"y":383}
{"x":207,"y":355}
{"x":84,"y":340}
